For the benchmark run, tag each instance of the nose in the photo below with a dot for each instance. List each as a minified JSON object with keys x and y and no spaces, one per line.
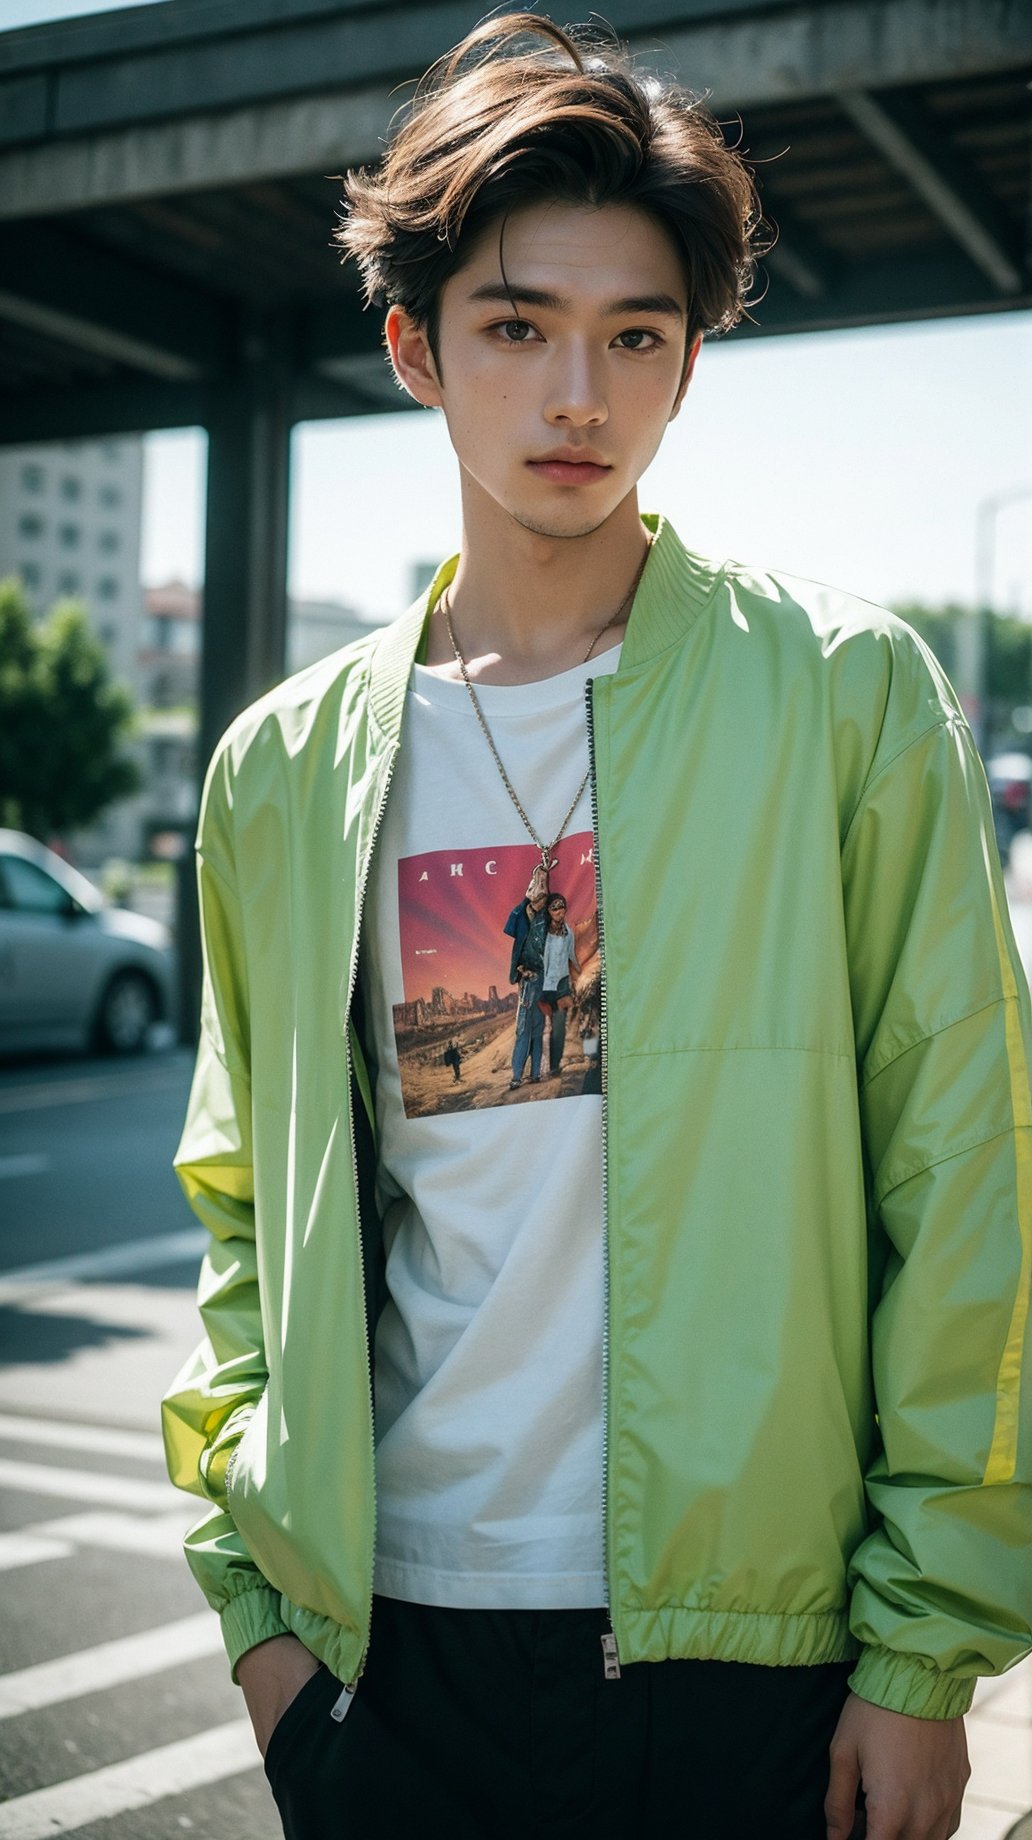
{"x":576,"y":397}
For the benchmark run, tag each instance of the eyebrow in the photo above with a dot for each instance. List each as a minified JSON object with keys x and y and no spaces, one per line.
{"x":556,"y":303}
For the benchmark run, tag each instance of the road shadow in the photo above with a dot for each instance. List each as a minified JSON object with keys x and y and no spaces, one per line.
{"x":35,"y":1337}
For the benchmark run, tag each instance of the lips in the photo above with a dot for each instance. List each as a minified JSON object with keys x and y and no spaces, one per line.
{"x":569,"y":469}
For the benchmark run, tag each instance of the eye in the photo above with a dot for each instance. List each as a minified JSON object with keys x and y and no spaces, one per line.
{"x":637,"y":333}
{"x":514,"y":331}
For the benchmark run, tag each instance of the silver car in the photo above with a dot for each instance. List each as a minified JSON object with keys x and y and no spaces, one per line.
{"x":74,"y":973}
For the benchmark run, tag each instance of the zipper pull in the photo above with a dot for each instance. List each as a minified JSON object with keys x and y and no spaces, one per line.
{"x":610,"y":1658}
{"x":342,"y":1705}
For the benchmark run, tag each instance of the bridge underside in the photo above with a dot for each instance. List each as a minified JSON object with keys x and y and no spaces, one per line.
{"x":165,"y":218}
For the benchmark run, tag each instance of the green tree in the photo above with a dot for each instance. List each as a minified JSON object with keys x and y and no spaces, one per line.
{"x":1008,"y":660}
{"x":64,"y":721}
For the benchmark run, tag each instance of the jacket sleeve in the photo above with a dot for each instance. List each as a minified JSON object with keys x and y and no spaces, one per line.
{"x":207,"y":1407}
{"x":940,"y":1587}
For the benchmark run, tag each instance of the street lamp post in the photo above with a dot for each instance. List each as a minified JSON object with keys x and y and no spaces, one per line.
{"x":974,"y":632}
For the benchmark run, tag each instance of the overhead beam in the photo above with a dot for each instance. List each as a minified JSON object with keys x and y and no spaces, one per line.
{"x":899,"y":127}
{"x":268,"y":140}
{"x":345,"y":329}
{"x":94,"y":410}
{"x":97,"y":302}
{"x":313,"y":115}
{"x":138,"y":28}
{"x":796,"y":256}
{"x":330,"y":399}
{"x":882,"y":292}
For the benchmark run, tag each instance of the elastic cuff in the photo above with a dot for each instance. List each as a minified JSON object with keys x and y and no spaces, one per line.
{"x":250,"y":1617}
{"x":906,"y":1683}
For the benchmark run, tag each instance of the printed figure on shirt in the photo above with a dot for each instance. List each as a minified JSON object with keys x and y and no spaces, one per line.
{"x":559,"y":959}
{"x":474,"y":1028}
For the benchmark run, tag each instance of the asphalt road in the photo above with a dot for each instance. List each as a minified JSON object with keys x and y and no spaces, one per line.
{"x":118,"y":1720}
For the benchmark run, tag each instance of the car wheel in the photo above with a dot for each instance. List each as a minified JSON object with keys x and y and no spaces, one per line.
{"x":127,"y":1010}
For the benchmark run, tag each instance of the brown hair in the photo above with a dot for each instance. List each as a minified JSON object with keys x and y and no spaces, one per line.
{"x":503,"y":121}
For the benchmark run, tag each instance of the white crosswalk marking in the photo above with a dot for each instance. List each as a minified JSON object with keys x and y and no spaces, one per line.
{"x":109,"y":1664}
{"x":87,"y":1485}
{"x":107,"y":1262}
{"x":65,"y":1433}
{"x":173,"y":1769}
{"x":29,"y":1547}
{"x":159,"y":1536}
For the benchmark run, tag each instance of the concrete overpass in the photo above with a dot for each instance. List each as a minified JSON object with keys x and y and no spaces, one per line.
{"x":165,"y":214}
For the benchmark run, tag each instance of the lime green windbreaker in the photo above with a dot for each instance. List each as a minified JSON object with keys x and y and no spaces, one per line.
{"x":817,"y":1151}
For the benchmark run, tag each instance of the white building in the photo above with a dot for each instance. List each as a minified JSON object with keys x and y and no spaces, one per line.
{"x":70,"y":528}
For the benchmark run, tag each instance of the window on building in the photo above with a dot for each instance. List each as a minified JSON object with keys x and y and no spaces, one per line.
{"x":68,"y":582}
{"x":32,"y":477}
{"x":71,"y":488}
{"x":30,"y":524}
{"x":108,"y":634}
{"x":111,"y":450}
{"x":69,"y":535}
{"x":107,"y":588}
{"x":31,"y":574}
{"x":108,"y":542}
{"x":110,"y":495}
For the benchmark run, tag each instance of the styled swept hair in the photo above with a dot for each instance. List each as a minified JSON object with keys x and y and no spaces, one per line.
{"x":523,"y":111}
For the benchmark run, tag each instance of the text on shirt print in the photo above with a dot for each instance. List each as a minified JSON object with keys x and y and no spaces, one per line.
{"x":501,"y":975}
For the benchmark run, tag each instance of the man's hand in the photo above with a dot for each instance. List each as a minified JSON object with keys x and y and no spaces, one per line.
{"x":271,"y":1675}
{"x":537,"y":888}
{"x":912,"y":1772}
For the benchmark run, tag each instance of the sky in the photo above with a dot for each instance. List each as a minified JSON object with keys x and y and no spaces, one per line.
{"x":858,"y":458}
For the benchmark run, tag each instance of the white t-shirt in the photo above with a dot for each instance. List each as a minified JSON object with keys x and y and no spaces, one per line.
{"x":557,"y":959}
{"x":488,"y":1353}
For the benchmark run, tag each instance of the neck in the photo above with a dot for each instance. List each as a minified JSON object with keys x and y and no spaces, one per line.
{"x":524,"y":605}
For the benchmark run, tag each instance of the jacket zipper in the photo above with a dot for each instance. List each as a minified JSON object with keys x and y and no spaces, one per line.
{"x":610,"y":1656}
{"x":342,"y":1705}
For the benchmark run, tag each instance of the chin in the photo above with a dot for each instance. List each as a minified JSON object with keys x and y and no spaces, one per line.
{"x":557,"y":524}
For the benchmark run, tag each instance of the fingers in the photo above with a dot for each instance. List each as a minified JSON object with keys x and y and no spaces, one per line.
{"x":840,"y":1801}
{"x":905,"y":1820}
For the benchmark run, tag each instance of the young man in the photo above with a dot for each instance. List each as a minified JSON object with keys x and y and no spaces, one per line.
{"x":527,"y":927}
{"x":696,"y":1503}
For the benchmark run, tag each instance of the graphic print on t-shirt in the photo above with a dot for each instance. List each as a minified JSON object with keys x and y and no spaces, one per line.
{"x":500,"y":1006}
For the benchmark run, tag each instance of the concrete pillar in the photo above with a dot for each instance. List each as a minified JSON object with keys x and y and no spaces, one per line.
{"x":244,"y":634}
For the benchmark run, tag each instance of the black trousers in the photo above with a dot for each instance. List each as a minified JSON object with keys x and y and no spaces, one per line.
{"x":491,"y":1724}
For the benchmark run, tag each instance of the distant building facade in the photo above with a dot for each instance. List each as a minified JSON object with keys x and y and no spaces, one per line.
{"x":169,"y":656}
{"x":70,"y":524}
{"x":70,"y":528}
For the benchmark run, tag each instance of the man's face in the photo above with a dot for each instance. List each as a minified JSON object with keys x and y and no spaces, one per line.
{"x":592,"y":370}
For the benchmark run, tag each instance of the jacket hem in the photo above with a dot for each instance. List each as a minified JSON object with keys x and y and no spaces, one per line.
{"x":678,"y":1633}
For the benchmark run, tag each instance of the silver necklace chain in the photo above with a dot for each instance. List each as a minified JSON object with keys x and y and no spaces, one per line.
{"x":545,"y":849}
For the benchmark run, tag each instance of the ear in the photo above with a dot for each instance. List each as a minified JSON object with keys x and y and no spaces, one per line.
{"x":411,"y":358}
{"x":689,"y":366}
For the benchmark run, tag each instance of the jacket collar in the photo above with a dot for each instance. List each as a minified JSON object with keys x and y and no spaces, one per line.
{"x":674,"y":588}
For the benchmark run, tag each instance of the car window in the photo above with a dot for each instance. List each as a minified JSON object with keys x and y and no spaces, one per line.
{"x":31,"y":890}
